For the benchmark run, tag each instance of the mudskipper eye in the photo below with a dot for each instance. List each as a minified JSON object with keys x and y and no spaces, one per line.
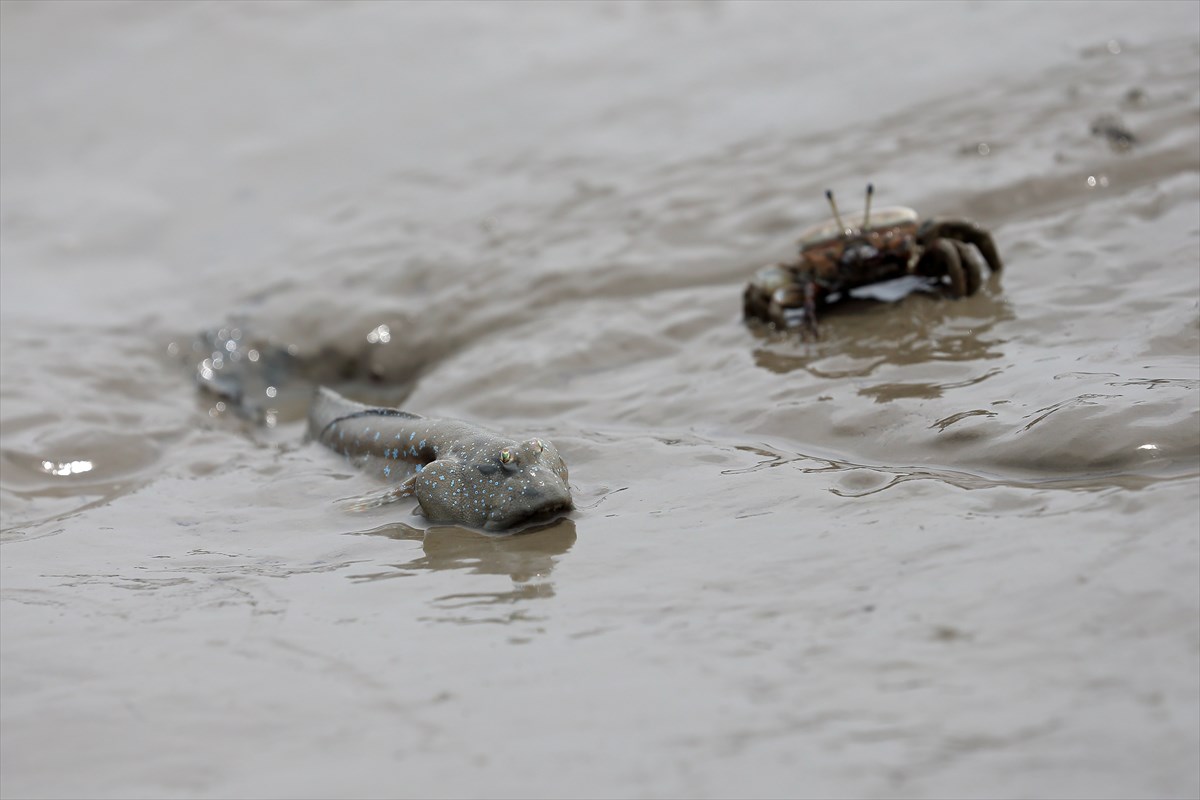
{"x":537,"y":445}
{"x":506,"y":456}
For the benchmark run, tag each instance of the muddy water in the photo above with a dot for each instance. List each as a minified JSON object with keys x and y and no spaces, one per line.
{"x":948,"y":550}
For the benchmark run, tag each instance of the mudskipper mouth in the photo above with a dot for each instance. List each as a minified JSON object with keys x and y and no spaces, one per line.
{"x":539,"y":516}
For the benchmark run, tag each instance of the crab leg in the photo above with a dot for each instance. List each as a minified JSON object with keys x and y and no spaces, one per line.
{"x":973,"y":264}
{"x":942,"y":259}
{"x":810,"y":308}
{"x":962,"y":230}
{"x":786,"y":304}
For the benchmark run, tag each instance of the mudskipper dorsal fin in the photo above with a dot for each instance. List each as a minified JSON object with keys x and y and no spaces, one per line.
{"x":330,"y":408}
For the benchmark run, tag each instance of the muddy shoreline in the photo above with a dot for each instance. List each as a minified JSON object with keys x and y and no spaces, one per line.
{"x":952,"y":549}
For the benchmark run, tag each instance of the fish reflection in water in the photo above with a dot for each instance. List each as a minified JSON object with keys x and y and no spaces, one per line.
{"x":527,"y":558}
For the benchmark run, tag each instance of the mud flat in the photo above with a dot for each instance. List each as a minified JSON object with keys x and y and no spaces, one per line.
{"x":950,"y":550}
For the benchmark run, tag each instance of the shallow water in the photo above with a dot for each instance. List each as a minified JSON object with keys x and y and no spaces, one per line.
{"x":949,"y":550}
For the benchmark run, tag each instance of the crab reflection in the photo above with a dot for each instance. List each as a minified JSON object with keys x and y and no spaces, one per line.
{"x":862,"y":335}
{"x":527,"y":557}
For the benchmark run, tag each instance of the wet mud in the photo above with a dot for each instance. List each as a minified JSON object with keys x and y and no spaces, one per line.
{"x":949,"y":549}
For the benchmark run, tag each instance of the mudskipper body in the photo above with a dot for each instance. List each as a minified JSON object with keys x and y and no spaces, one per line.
{"x":458,"y":472}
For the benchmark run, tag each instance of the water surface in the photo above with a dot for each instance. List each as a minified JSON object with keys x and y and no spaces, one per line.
{"x":950,"y":550}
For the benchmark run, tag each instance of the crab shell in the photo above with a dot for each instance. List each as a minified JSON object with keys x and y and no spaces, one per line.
{"x":892,"y":235}
{"x":837,"y":256}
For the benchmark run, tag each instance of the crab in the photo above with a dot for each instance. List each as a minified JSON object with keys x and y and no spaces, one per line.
{"x":842,"y":254}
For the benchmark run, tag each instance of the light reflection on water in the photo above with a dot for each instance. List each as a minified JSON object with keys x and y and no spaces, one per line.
{"x":67,"y":467}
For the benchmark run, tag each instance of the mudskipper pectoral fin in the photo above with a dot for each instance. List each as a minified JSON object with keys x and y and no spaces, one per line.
{"x":372,"y":500}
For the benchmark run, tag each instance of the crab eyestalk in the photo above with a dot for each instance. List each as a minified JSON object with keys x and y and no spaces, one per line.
{"x":836,"y":216}
{"x":866,"y":223}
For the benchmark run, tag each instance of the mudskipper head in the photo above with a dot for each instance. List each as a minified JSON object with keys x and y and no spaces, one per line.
{"x":535,"y":484}
{"x":500,"y":485}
